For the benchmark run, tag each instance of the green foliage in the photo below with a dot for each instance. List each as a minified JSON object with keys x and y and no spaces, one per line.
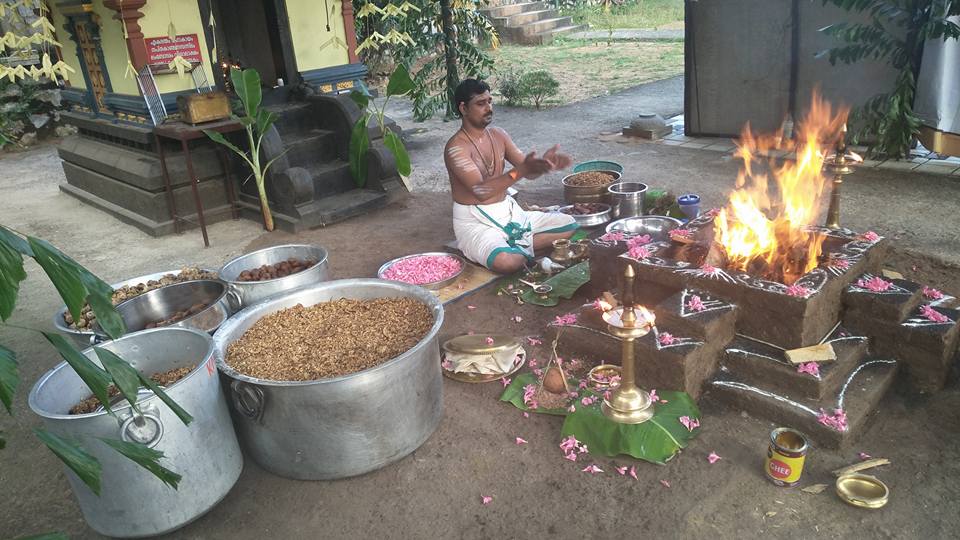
{"x":613,"y":14}
{"x":146,"y":457}
{"x":424,"y":58}
{"x":399,"y":84}
{"x":508,"y":84}
{"x":539,"y":85}
{"x":9,"y":378}
{"x":895,"y":33}
{"x":27,"y":106}
{"x":257,"y":122}
{"x":85,"y":466}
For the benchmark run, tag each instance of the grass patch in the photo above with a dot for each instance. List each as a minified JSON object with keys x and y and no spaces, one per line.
{"x":587,"y":69}
{"x":632,"y":14}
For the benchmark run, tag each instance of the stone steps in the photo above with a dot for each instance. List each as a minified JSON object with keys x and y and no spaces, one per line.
{"x":857,"y":397}
{"x":304,"y":149}
{"x":530,"y":23}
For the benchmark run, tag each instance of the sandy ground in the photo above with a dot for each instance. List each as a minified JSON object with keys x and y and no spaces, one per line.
{"x":435,"y":492}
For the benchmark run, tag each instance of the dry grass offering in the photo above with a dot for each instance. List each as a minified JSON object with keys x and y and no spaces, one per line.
{"x":329,"y":339}
{"x":590,"y":179}
{"x":164,"y":379}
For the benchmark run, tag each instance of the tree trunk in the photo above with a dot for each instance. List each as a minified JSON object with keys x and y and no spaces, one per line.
{"x":265,"y":206}
{"x":450,"y":52}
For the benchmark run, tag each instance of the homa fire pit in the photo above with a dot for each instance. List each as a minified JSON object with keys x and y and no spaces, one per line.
{"x":742,"y":291}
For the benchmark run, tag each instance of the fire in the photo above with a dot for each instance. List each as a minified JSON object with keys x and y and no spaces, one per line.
{"x":765,"y":231}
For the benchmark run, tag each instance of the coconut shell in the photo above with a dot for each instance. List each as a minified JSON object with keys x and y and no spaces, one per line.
{"x":553,"y":381}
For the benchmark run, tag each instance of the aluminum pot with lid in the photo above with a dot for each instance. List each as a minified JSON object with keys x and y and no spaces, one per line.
{"x":247,"y":293}
{"x":132,"y":502}
{"x":341,"y":426}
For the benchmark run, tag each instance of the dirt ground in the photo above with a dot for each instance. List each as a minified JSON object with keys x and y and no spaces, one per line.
{"x":436,"y":491}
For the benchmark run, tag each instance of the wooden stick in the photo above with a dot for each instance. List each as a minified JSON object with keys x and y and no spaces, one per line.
{"x":863,"y":465}
{"x":814,"y":353}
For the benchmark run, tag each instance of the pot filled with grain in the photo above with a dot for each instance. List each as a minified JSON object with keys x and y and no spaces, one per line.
{"x":274,"y":270}
{"x":588,"y":186}
{"x":132,"y":502}
{"x":336,"y":379}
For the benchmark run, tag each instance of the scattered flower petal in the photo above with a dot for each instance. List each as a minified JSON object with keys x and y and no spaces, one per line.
{"x":713,"y":458}
{"x":638,"y":252}
{"x":565,"y":320}
{"x":638,"y":241}
{"x":837,"y":262}
{"x":534,"y":341}
{"x":569,"y":444}
{"x":871,"y":236}
{"x":798,"y":291}
{"x":653,"y":396}
{"x":533,"y":363}
{"x":708,"y":269}
{"x":471,"y":307}
{"x":622,"y":471}
{"x":809,"y":367}
{"x":423,"y":269}
{"x":489,"y":340}
{"x":864,"y":456}
{"x":570,"y":456}
{"x":837,"y":421}
{"x":633,"y":472}
{"x":516,"y":318}
{"x":614,"y":236}
{"x":592,"y":469}
{"x":875,"y":284}
{"x":521,"y":440}
{"x":933,"y":315}
{"x":665,"y":483}
{"x":526,"y":414}
{"x":505,"y":381}
{"x":572,"y":408}
{"x":666,"y":339}
{"x":689,"y":423}
{"x":485,"y":499}
{"x":695,"y":303}
{"x":446,"y":364}
{"x":680,"y":233}
{"x":932,"y":293}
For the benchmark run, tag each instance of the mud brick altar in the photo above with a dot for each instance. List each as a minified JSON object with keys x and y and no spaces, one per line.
{"x":727,"y":332}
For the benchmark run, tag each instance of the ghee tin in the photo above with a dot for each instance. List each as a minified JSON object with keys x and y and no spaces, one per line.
{"x":785,"y":456}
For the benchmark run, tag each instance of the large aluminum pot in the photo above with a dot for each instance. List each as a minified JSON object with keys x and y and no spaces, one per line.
{"x":132,"y":501}
{"x":83,"y":338}
{"x":249,"y":293}
{"x":160,"y":304}
{"x":343,"y":426}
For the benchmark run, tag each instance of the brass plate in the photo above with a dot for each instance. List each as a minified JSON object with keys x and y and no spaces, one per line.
{"x":609,"y":370}
{"x":862,"y":490}
{"x":502,"y":341}
{"x":477,"y":343}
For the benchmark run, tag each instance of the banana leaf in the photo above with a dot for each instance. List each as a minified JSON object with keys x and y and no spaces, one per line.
{"x":657,"y":440}
{"x":564,"y":284}
{"x":513,"y":393}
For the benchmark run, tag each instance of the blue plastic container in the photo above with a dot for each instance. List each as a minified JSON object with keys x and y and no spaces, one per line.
{"x":598,"y":165}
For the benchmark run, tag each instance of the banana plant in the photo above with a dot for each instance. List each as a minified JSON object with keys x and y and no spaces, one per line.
{"x":256,"y":121}
{"x":399,"y":84}
{"x":76,"y":286}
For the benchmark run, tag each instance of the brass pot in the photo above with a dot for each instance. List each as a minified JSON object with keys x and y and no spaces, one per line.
{"x":581,"y":194}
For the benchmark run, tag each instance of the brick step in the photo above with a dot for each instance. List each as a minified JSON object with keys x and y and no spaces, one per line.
{"x":334,"y":208}
{"x":859,"y":397}
{"x":761,"y":364}
{"x":893,"y":304}
{"x":547,"y":37}
{"x":513,"y":9}
{"x":293,"y":118}
{"x":698,"y":314}
{"x":331,"y":178}
{"x":525,"y":17}
{"x":536,"y":27}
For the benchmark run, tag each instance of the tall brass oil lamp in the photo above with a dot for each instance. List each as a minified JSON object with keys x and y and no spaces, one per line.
{"x":838,"y":164}
{"x":628,"y":404}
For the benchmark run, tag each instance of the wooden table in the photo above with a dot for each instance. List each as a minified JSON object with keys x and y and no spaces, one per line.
{"x":180,"y":131}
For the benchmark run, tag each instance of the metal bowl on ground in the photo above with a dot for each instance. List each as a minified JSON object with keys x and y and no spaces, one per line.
{"x":598,"y":165}
{"x":163,"y":303}
{"x":574,"y":194}
{"x":247,"y":293}
{"x":589,"y":220}
{"x":435,"y":285}
{"x":658,"y":227}
{"x":83,"y":337}
{"x":341,"y":426}
{"x":133,"y":503}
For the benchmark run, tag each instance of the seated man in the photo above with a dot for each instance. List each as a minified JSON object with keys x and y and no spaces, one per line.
{"x":491,"y":228}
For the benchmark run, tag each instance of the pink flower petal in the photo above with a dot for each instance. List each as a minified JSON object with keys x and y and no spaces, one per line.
{"x":633,"y":472}
{"x":638,"y":241}
{"x":571,"y":456}
{"x":489,"y":340}
{"x":485,"y":499}
{"x":798,"y":291}
{"x":689,"y":423}
{"x":592,"y":469}
{"x":505,"y":382}
{"x":565,"y":320}
{"x":695,"y":304}
{"x":707,"y":269}
{"x":932,"y":294}
{"x":665,"y":483}
{"x":516,"y":318}
{"x":471,"y":307}
{"x":569,"y":444}
{"x":713,"y":458}
{"x":638,"y":252}
{"x":521,"y":440}
{"x":864,"y":456}
{"x":809,"y":367}
{"x":526,"y":414}
{"x":622,"y":471}
{"x":534,"y":341}
{"x":666,"y":339}
{"x":837,"y":421}
{"x":933,"y":315}
{"x":875,"y":284}
{"x":653,"y":395}
{"x":871,"y":236}
{"x":572,"y":408}
{"x":423,"y":269}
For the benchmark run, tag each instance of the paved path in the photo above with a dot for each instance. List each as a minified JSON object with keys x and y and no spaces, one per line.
{"x":630,"y":34}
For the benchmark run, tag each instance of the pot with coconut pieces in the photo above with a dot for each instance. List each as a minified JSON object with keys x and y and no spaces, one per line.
{"x":343,"y":425}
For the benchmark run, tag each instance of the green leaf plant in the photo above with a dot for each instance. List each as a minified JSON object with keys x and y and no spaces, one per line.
{"x":399,"y":84}
{"x":256,"y":122}
{"x":76,"y":286}
{"x":895,"y":32}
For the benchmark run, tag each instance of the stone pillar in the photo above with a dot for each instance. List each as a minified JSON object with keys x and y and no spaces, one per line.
{"x":128,"y":12}
{"x":350,"y":31}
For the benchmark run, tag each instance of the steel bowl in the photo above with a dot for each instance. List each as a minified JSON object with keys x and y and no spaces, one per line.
{"x":162,"y":303}
{"x":248,"y":293}
{"x":434,"y":285}
{"x":658,"y":227}
{"x":589,"y":220}
{"x":84,"y":337}
{"x":339,"y":426}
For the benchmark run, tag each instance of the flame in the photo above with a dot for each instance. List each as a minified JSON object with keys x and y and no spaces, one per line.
{"x":767,"y":230}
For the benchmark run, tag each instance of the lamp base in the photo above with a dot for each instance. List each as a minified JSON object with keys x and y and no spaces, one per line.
{"x":628,"y":406}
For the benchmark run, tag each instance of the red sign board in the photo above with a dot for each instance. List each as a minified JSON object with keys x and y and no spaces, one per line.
{"x":161,"y":50}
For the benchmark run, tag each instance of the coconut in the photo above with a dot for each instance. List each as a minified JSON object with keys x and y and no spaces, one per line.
{"x":553,"y":381}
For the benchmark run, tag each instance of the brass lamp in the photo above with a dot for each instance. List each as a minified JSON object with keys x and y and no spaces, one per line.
{"x":839,"y":164}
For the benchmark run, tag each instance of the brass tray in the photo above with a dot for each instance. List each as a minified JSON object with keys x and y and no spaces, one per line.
{"x":476,"y":344}
{"x":862,"y":490}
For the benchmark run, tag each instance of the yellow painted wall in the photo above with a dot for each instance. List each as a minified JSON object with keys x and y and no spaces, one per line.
{"x":68,"y":48}
{"x":188,"y":20}
{"x":308,"y":27}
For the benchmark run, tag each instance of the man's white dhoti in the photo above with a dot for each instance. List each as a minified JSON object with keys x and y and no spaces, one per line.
{"x":485,"y":230}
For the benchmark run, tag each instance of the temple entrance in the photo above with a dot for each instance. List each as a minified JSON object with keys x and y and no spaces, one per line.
{"x":251,"y":34}
{"x":88,"y":46}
